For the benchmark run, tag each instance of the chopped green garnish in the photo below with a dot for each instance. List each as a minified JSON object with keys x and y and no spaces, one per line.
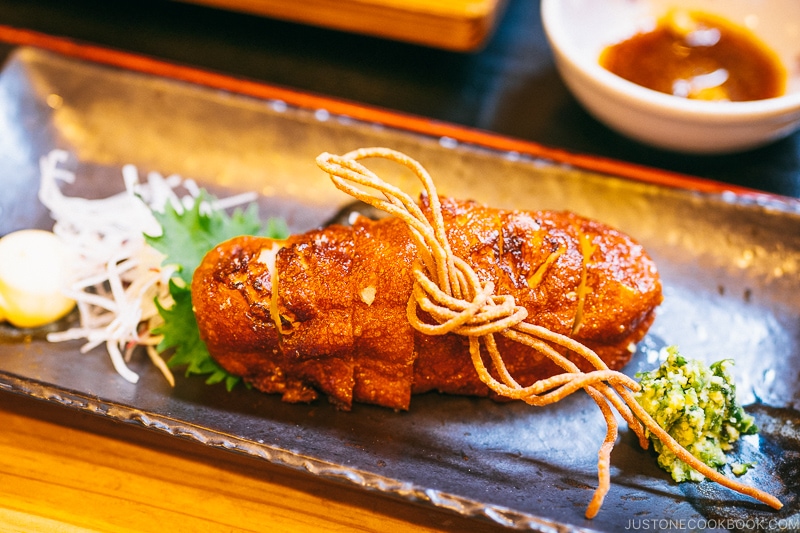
{"x":741,"y":469}
{"x":696,"y":404}
{"x":185,"y":239}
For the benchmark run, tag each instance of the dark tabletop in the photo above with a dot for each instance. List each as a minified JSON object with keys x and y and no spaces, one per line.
{"x":509,"y":87}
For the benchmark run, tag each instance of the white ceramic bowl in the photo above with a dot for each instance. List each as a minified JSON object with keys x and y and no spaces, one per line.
{"x":578,"y":30}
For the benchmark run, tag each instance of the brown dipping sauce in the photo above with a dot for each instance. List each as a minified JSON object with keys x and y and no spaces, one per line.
{"x":698,"y":56}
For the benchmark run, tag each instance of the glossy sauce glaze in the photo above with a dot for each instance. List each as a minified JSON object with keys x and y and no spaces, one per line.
{"x":698,"y":56}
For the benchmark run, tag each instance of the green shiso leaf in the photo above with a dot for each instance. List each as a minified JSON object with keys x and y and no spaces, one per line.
{"x":185,"y":239}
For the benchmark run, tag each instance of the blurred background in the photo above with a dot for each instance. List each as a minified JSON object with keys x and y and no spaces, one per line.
{"x":507,"y":84}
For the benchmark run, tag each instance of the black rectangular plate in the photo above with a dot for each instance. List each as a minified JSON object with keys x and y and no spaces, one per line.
{"x":730,"y":265}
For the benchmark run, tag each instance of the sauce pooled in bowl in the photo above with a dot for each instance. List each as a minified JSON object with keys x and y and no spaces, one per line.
{"x":698,"y":56}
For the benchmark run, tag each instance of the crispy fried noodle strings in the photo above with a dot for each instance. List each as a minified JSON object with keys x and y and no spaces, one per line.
{"x":448,"y":290}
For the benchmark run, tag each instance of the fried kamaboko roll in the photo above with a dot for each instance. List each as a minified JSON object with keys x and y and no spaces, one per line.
{"x":325,"y":312}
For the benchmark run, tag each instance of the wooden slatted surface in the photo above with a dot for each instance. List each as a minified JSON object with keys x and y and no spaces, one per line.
{"x":461,"y":25}
{"x":68,"y":472}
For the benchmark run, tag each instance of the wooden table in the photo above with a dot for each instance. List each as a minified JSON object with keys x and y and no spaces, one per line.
{"x":68,"y":472}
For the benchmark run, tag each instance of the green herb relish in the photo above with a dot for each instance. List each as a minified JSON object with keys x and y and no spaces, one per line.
{"x":696,"y":404}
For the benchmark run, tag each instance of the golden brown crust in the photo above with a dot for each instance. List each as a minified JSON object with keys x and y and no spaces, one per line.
{"x":384,"y":347}
{"x":342,"y":295}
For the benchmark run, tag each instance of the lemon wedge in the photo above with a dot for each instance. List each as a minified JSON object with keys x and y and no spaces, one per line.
{"x":35,"y":269}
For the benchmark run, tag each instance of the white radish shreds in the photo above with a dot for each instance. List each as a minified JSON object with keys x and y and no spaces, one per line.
{"x":119,"y":275}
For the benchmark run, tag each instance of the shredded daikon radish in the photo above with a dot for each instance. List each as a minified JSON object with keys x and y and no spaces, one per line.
{"x":119,"y":275}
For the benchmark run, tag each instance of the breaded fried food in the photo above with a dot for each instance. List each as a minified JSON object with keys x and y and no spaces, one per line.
{"x":325,"y":312}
